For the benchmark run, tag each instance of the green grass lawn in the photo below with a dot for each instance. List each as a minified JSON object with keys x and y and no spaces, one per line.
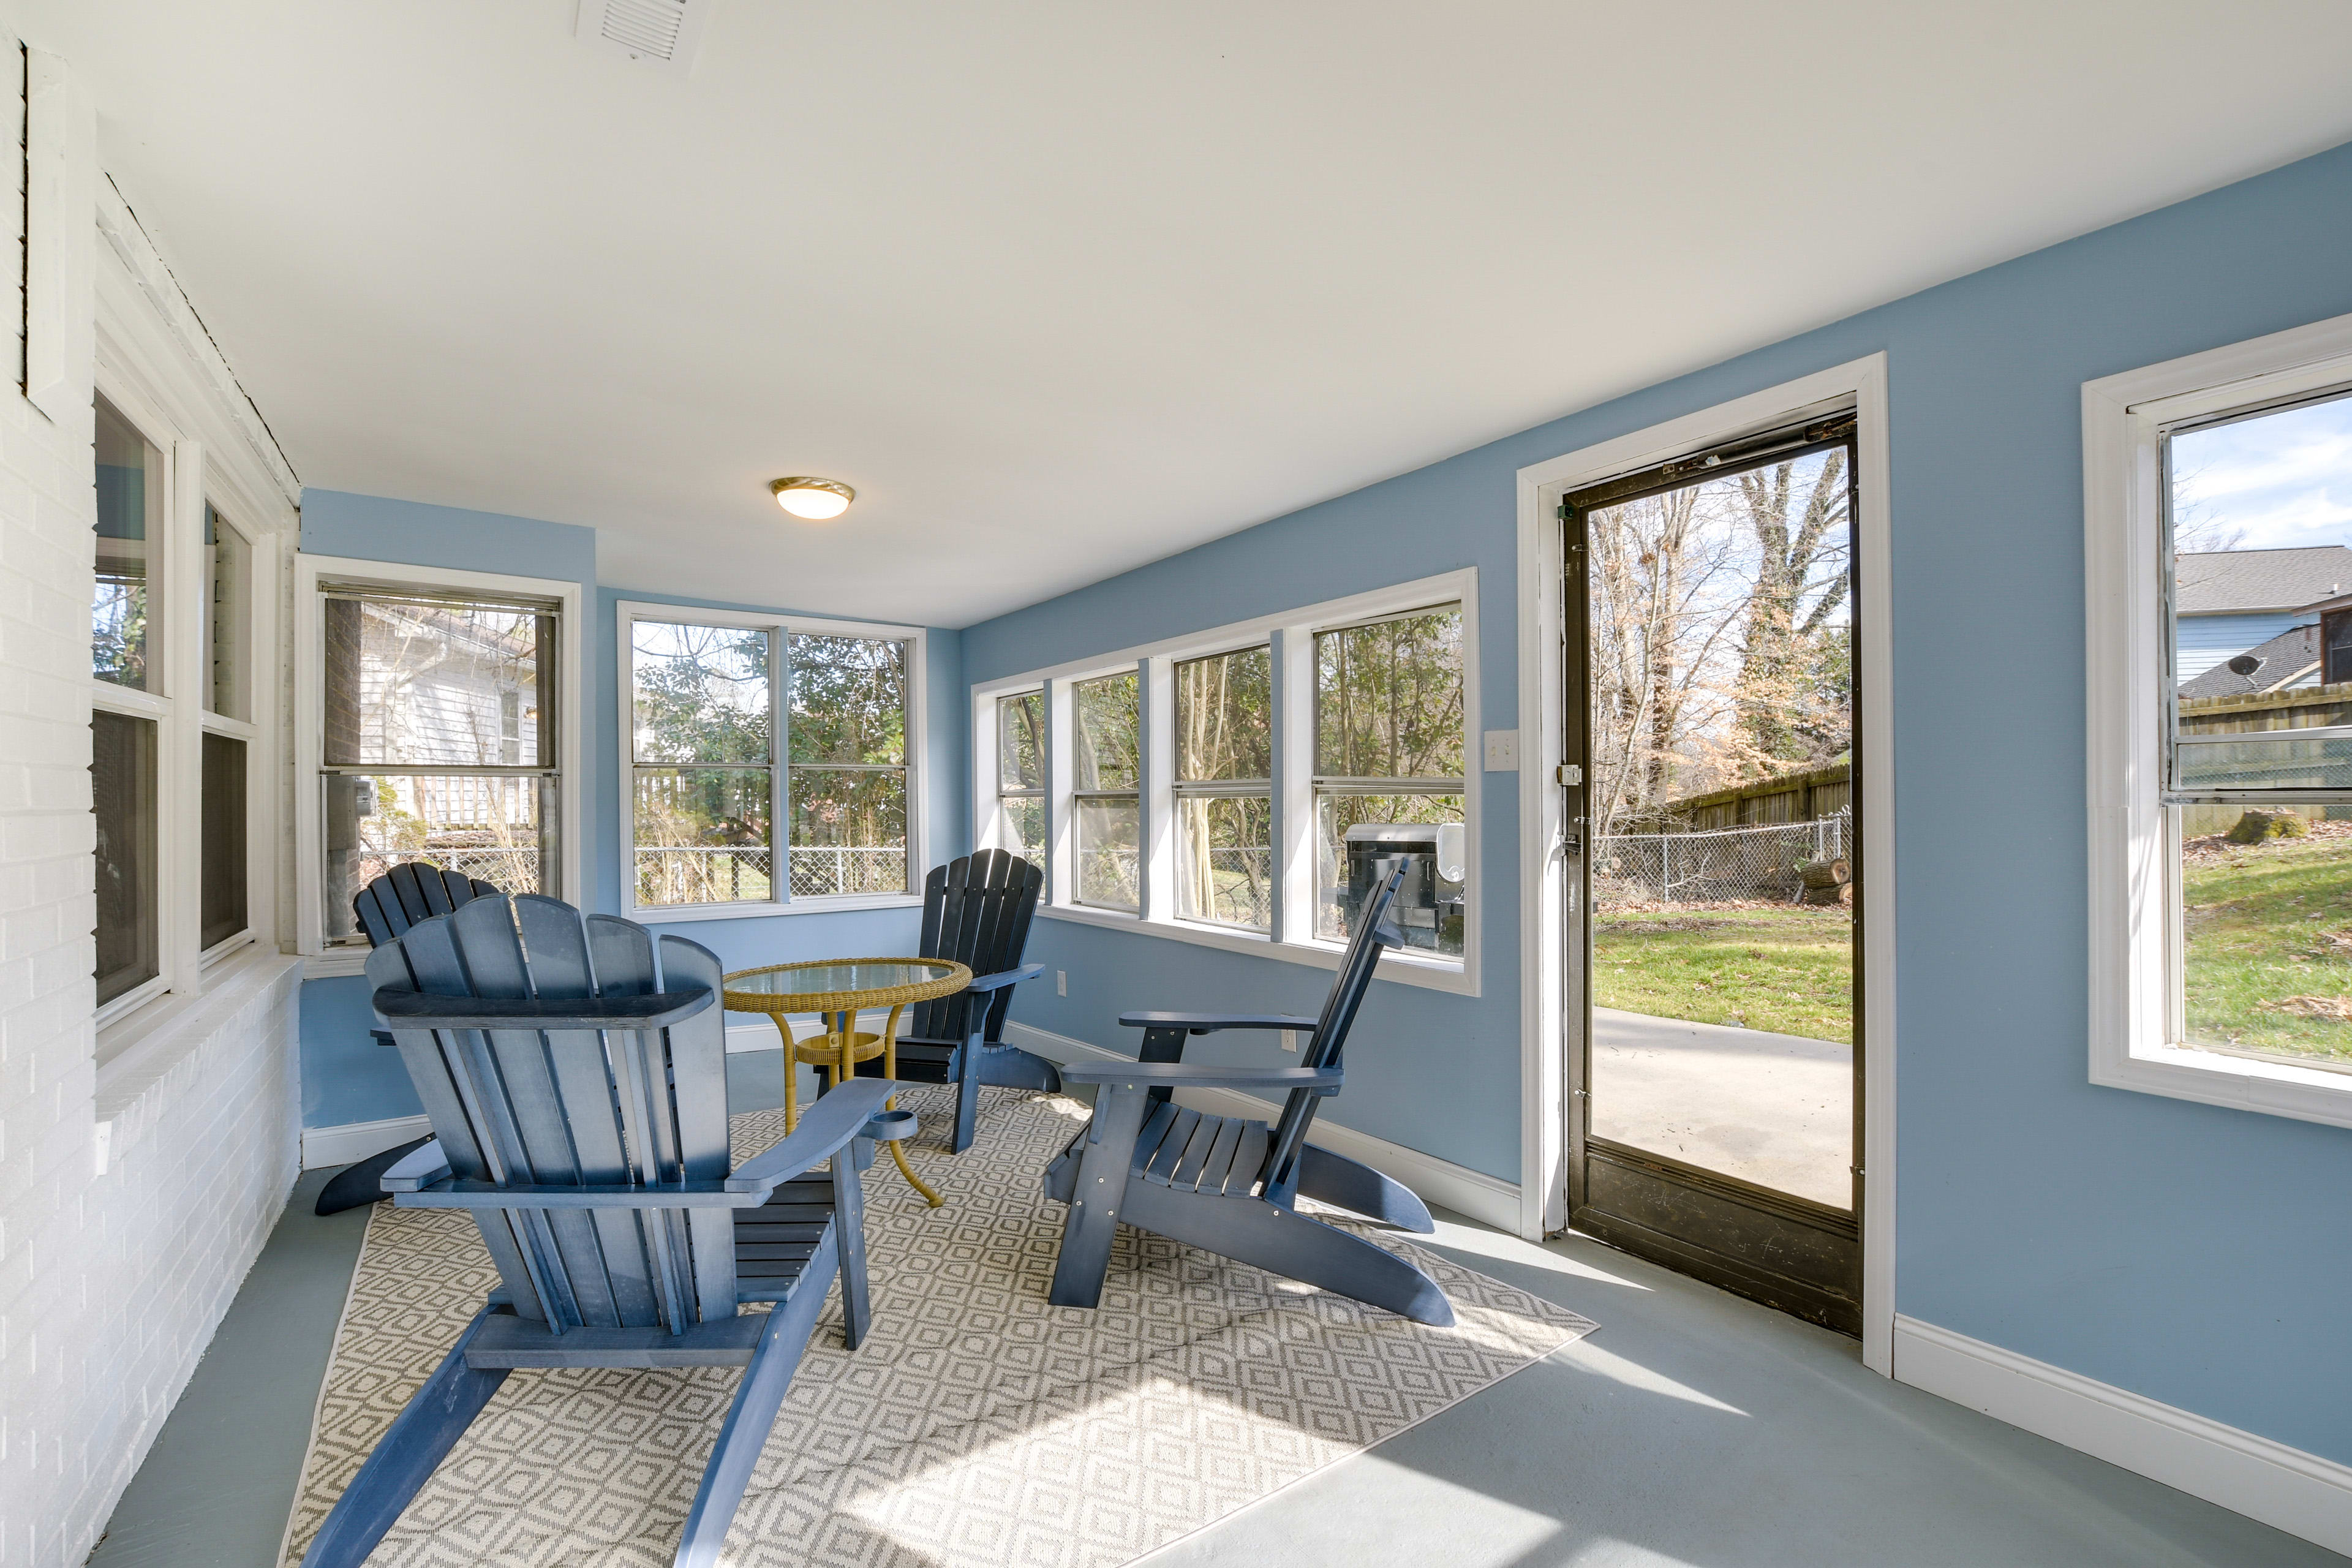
{"x":2267,"y":933}
{"x":1786,"y":969}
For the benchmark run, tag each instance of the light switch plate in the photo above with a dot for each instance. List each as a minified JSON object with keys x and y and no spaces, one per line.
{"x":1061,"y":983}
{"x":1502,"y":751}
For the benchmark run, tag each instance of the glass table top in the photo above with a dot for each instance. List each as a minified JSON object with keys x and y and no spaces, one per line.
{"x":835,"y":979}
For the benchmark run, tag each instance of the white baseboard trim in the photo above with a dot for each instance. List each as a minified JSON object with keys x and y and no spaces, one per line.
{"x":350,"y":1141}
{"x":1485,"y":1198}
{"x":2284,"y":1487}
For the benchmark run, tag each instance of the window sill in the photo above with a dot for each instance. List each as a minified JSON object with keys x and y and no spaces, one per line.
{"x":2241,"y":1083}
{"x":673,"y":915}
{"x":335,"y":964}
{"x":1456,"y":975}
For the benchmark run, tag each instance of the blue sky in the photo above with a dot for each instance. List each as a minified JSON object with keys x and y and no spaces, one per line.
{"x":2280,"y":481}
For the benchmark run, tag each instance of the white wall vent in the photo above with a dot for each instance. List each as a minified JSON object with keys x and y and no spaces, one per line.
{"x":664,"y":33}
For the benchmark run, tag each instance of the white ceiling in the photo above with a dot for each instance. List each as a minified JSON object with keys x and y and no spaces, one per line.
{"x":1064,"y":288}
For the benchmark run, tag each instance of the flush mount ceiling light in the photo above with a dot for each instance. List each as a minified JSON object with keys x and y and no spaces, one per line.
{"x":816,"y":499}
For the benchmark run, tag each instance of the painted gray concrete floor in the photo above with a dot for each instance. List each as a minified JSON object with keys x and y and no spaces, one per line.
{"x":1693,"y":1430}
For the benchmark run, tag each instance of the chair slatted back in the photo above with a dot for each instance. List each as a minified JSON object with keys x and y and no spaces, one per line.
{"x":1375,"y":933}
{"x":976,"y":911}
{"x":565,"y":1108}
{"x":413,"y":891}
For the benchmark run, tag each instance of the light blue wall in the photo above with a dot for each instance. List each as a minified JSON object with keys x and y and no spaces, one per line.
{"x":2195,"y":1255}
{"x":2204,"y":641}
{"x":345,"y":1077}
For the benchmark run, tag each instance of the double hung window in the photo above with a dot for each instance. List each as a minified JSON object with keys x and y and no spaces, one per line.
{"x":172,"y":717}
{"x":225,"y":851}
{"x":438,"y":743}
{"x":2257,"y":788}
{"x":702,"y":715}
{"x":1107,"y":775}
{"x":129,"y":707}
{"x":848,"y":780}
{"x":1020,"y":753}
{"x":1224,"y":788}
{"x":1388,"y":779}
{"x":770,"y":762}
{"x":2220,"y":733}
{"x":1245,"y":785}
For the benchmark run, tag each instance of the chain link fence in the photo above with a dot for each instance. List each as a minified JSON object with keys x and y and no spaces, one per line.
{"x":1718,"y":866}
{"x":822,"y":869}
{"x":510,"y":869}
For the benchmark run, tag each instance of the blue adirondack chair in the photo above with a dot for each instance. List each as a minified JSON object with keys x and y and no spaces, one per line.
{"x":976,"y":911}
{"x":575,"y":1073}
{"x":1228,"y":1184}
{"x":385,"y":908}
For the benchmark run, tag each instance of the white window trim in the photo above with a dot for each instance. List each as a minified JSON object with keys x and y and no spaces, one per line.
{"x":782,"y":624}
{"x":1291,"y":632}
{"x":309,"y":728}
{"x":169,"y":383}
{"x":1545,"y":1079}
{"x":2132,"y":862}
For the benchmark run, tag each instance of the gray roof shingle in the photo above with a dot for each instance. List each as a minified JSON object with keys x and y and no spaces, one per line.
{"x":2220,"y":582}
{"x":2283,"y":657}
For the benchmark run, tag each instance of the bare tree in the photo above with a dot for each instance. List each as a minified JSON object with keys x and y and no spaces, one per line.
{"x":1794,"y":710}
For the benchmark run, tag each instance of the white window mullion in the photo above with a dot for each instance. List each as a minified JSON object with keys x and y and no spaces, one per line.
{"x":180,"y":754}
{"x":1155,"y":795}
{"x":1294,"y":788}
{"x":780,"y":764}
{"x":1061,"y":830}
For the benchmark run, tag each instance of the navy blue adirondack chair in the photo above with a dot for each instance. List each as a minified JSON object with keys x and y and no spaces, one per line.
{"x":1228,"y":1184}
{"x":575,"y":1072}
{"x":385,"y":908}
{"x":976,"y":911}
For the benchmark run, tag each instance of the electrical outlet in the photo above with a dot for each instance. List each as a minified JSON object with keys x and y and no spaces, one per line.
{"x":1061,"y":983}
{"x":1289,"y":1040}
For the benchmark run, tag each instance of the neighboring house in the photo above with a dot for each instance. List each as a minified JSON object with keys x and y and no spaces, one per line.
{"x":456,"y":688}
{"x":2229,"y":601}
{"x":2288,"y":661}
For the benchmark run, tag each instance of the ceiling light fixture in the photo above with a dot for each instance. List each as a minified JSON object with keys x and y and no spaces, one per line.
{"x":814,"y":498}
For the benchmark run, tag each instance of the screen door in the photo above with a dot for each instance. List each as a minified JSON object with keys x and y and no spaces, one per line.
{"x":1716,"y":886}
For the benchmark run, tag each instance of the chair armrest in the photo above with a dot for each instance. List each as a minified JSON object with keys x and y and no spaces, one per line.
{"x":424,"y":1010}
{"x":1185,"y":1074}
{"x":1008,"y":977}
{"x":838,"y":1116}
{"x":417,"y":1168}
{"x":1210,"y":1022}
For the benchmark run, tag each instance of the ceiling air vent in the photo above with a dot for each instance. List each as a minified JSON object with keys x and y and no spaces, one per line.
{"x":663,"y":32}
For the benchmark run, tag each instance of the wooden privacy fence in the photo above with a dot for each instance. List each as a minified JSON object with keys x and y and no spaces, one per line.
{"x":1786,"y":797}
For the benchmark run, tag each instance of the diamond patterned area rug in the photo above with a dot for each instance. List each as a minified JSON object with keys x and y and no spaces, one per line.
{"x":977,"y":1426}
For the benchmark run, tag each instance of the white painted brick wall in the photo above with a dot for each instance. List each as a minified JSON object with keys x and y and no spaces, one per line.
{"x":111,"y":1285}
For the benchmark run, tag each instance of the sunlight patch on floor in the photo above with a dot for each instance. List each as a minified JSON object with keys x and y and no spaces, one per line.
{"x":1495,"y":1244}
{"x":1590,"y":1357}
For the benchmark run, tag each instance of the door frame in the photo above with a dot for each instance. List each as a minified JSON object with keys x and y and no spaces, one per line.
{"x":1545,"y":1068}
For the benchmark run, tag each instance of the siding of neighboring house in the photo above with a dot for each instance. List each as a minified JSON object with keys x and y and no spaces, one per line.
{"x":2207,"y":640}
